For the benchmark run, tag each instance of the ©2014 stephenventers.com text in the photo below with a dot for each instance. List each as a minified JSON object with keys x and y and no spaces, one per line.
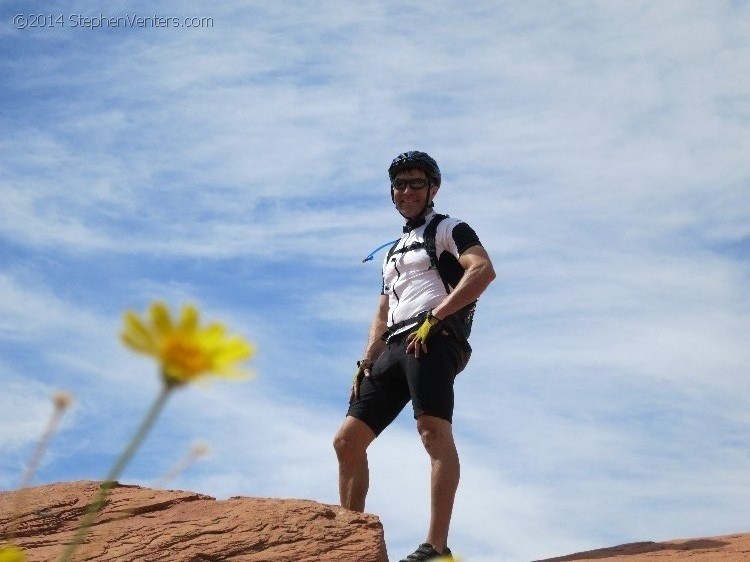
{"x":101,"y":21}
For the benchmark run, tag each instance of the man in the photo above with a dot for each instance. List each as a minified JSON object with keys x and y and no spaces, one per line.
{"x":417,"y":344}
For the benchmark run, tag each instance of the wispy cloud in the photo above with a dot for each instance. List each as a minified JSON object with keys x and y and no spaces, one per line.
{"x":598,"y":149}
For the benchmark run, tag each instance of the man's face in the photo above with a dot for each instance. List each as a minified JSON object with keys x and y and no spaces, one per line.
{"x":410,"y":201}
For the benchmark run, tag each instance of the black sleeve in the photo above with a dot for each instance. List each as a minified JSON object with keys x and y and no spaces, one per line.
{"x":464,"y":237}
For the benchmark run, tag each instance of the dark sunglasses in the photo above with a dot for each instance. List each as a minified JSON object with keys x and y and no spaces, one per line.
{"x":401,"y":185}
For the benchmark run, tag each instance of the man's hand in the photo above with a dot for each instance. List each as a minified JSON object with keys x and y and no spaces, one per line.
{"x":363,"y":370}
{"x":417,"y":341}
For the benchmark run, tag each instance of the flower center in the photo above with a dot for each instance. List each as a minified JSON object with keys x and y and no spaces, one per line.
{"x":185,"y":355}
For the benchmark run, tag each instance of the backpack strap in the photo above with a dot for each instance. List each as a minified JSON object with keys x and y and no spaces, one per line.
{"x":391,"y":251}
{"x":430,"y":233}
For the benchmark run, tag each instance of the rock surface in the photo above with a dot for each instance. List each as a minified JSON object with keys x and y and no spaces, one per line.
{"x":144,"y":525}
{"x":734,"y":548}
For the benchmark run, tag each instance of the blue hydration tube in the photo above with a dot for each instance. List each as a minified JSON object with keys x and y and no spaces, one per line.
{"x":376,"y":250}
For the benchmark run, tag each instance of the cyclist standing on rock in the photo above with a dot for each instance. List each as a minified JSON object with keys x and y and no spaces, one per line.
{"x":417,"y":344}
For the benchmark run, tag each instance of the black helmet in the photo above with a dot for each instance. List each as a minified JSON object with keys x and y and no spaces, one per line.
{"x":415,"y":159}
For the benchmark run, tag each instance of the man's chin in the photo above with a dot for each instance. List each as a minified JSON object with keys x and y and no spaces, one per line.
{"x":409,"y":214}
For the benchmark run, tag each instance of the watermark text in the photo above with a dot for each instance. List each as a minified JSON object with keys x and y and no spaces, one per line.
{"x":102,"y":21}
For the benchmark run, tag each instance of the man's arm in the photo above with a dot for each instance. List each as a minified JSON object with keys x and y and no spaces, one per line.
{"x":478,"y":274}
{"x":375,"y":345}
{"x":379,"y":324}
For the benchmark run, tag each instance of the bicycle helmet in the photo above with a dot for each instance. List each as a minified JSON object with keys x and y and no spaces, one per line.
{"x":415,"y":159}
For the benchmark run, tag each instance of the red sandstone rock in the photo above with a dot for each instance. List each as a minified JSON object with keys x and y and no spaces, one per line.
{"x":734,"y":548}
{"x":143,"y":525}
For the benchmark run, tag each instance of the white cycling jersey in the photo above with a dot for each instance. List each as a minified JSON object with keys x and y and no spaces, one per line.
{"x":411,"y":283}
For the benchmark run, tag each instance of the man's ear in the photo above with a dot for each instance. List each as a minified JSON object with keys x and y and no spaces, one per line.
{"x":433,"y":190}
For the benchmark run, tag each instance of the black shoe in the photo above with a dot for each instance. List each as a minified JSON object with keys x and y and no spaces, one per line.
{"x":425,"y":552}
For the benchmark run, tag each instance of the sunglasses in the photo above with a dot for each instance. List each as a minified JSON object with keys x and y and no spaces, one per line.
{"x":401,"y":185}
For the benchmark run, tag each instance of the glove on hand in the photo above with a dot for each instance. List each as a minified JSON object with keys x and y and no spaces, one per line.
{"x":363,"y":370}
{"x":426,"y":330}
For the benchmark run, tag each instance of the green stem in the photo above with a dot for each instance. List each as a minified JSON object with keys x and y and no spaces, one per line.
{"x":114,"y":473}
{"x":19,"y":497}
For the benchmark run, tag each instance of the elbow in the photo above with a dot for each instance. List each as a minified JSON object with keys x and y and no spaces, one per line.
{"x":489,"y":273}
{"x":491,"y":276}
{"x":484,"y":274}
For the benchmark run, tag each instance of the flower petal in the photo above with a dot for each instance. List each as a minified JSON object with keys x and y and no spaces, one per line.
{"x":212,"y":334}
{"x":11,"y":553}
{"x":189,"y":319}
{"x":160,"y":319}
{"x":232,"y":351}
{"x":136,"y":335}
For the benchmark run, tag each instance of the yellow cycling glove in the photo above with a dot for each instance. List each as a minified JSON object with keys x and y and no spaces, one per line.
{"x":427,"y":329}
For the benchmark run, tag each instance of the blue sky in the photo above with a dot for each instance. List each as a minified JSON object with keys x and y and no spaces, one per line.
{"x":598,"y":148}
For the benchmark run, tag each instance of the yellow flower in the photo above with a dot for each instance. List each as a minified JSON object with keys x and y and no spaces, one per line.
{"x":11,"y":554}
{"x":185,"y":350}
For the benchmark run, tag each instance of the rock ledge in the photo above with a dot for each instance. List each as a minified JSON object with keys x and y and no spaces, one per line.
{"x":145,"y":525}
{"x":728,"y":548}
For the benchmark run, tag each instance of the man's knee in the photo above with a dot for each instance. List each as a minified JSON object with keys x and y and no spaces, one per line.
{"x":342,"y":444}
{"x":436,"y":434}
{"x":352,"y":439}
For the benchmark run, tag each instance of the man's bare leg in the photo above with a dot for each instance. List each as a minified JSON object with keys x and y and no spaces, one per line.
{"x":351,"y":442}
{"x":437,"y":436}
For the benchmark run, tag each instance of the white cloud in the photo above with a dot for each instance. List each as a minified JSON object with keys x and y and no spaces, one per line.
{"x":599,"y":150}
{"x":26,"y":407}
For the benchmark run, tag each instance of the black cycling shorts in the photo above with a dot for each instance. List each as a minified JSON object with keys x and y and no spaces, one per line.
{"x":397,"y":377}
